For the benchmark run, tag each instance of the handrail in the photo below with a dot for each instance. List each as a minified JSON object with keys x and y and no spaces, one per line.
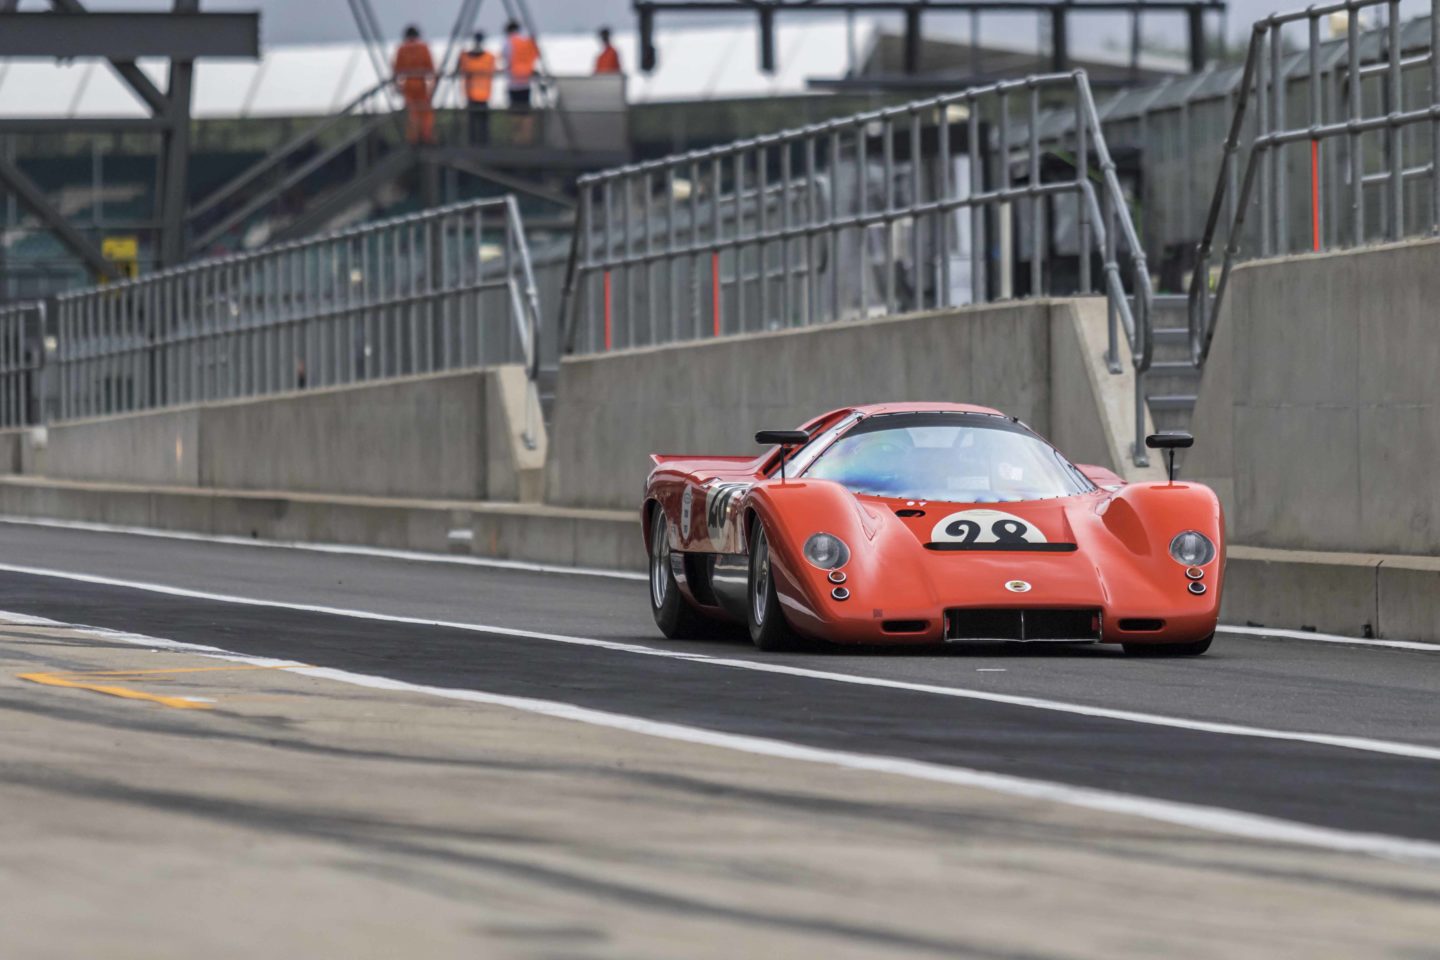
{"x":22,"y":329}
{"x":408,"y":295}
{"x":282,"y":152}
{"x":526,"y":301}
{"x":1265,"y":161}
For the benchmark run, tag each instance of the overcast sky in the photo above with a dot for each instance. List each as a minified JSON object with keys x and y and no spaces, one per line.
{"x":309,"y":21}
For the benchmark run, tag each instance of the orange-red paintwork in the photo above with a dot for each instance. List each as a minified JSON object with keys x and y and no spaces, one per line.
{"x":1121,"y":565}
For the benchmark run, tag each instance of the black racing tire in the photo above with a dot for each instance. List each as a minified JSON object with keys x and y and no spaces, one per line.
{"x":768,"y":627}
{"x":1169,"y":649}
{"x":673,"y":614}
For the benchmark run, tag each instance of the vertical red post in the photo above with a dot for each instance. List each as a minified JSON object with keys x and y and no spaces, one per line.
{"x":607,"y":310}
{"x":1315,"y":194}
{"x":715,"y":292}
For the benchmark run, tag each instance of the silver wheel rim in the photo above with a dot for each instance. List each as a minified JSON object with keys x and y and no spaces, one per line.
{"x":760,"y":594}
{"x":659,"y":560}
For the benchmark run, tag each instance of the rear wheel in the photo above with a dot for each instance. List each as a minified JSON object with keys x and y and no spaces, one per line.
{"x":1169,"y":649}
{"x":675,"y":618}
{"x":768,"y":629}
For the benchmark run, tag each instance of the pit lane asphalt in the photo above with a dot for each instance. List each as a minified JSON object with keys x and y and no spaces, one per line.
{"x":1291,"y":685}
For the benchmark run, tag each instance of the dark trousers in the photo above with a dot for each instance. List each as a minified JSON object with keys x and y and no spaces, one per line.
{"x":478,"y":115}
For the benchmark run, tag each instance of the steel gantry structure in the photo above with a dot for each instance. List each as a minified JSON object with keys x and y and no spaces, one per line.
{"x":181,"y":35}
{"x":1057,"y":12}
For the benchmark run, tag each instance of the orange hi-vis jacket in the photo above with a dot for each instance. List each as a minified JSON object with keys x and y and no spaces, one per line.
{"x":608,"y":61}
{"x":522,"y":56}
{"x":414,"y":70}
{"x":478,"y":69}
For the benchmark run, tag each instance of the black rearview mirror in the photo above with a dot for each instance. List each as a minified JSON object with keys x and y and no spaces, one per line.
{"x":784,"y":439}
{"x":1170,"y":441}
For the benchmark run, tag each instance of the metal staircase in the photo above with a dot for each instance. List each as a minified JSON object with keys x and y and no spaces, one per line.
{"x":1173,"y":381}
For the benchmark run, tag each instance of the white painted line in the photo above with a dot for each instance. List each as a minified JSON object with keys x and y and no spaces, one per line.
{"x":343,"y":549}
{"x":559,"y":569}
{"x":1389,"y":747}
{"x":1279,"y":633}
{"x":551,"y":568}
{"x":1194,"y":816}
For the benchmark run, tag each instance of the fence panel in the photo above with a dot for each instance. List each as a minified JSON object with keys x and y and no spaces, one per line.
{"x":932,"y":204}
{"x":1346,"y":146}
{"x":22,"y":356}
{"x":444,"y":289}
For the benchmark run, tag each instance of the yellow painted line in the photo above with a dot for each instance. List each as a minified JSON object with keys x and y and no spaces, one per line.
{"x":163,"y":670}
{"x":177,"y":703}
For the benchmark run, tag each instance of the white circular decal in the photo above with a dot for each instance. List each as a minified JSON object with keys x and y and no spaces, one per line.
{"x":1017,"y":586}
{"x":984,"y":526}
{"x":687,"y":499}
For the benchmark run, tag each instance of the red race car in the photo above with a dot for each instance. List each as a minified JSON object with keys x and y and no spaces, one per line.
{"x":931,"y":523}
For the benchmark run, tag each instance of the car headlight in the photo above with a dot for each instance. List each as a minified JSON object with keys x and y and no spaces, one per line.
{"x":1192,"y":549}
{"x":826,"y":551}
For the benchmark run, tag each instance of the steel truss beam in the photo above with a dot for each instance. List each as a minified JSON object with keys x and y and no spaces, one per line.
{"x":36,"y":126}
{"x":129,"y":36}
{"x":1059,"y":12}
{"x":32,"y":198}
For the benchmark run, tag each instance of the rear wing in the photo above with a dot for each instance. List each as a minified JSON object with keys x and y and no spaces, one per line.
{"x":1101,"y":476}
{"x":661,"y":458}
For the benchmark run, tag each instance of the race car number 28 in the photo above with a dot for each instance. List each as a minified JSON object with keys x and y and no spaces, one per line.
{"x":984,"y":526}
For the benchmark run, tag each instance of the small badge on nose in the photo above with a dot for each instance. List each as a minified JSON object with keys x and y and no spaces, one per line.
{"x":1017,"y":586}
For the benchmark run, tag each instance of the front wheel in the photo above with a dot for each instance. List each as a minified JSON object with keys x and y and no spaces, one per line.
{"x":768,"y":629}
{"x":1169,"y":649}
{"x":675,"y":618}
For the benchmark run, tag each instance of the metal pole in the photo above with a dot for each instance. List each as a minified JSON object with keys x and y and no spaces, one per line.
{"x":1356,"y":158}
{"x":1278,"y":84}
{"x":888,"y":160}
{"x":1316,"y":119}
{"x":1395,"y":140}
{"x":1267,"y":167}
{"x":1037,"y":201}
{"x":1435,"y":122}
{"x":1082,"y":176}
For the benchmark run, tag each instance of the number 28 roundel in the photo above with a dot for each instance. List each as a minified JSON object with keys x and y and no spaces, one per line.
{"x":984,"y":526}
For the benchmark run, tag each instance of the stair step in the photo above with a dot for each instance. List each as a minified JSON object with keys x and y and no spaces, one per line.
{"x":1174,"y":368}
{"x":1171,"y":401}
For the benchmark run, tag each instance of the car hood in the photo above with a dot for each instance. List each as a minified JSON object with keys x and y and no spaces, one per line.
{"x":1053,"y":552}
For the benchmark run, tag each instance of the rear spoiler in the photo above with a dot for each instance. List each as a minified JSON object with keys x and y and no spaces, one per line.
{"x":1100,"y":476}
{"x":659,"y":458}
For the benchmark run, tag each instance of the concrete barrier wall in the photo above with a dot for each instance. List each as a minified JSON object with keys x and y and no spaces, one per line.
{"x":447,"y":436}
{"x":1035,"y":359}
{"x":1319,"y":412}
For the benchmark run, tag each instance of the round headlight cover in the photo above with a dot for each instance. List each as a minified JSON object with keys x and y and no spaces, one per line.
{"x":1192,"y":549}
{"x":826,"y":551}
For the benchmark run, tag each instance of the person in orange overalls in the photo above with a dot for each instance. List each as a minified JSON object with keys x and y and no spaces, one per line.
{"x":415,"y":78}
{"x":609,"y":60}
{"x":477,"y":70}
{"x":521,"y":56}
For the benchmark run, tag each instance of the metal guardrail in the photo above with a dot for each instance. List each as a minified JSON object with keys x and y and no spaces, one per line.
{"x":22,"y":354}
{"x":444,"y":289}
{"x":927,"y":205}
{"x":1270,"y":79}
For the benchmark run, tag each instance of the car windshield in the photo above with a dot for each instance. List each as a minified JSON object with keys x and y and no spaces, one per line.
{"x":965,"y":458}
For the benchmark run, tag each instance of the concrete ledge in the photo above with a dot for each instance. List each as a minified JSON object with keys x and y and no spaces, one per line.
{"x":468,"y":434}
{"x":509,"y":531}
{"x":1353,"y":594}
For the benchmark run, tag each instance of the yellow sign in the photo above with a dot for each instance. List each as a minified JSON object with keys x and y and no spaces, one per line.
{"x":124,"y":251}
